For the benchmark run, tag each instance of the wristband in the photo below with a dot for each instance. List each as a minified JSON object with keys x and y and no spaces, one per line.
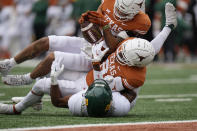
{"x":96,"y":66}
{"x":171,"y":26}
{"x":53,"y":81}
{"x":106,"y":27}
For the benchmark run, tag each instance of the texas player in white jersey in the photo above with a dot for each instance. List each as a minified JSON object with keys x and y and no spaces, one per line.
{"x":73,"y":44}
{"x":128,"y":55}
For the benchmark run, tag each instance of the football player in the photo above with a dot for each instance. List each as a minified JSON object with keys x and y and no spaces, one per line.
{"x":124,"y":70}
{"x":121,"y":15}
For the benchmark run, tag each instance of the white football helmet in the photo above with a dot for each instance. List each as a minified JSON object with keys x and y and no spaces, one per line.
{"x":127,"y":9}
{"x":135,"y":52}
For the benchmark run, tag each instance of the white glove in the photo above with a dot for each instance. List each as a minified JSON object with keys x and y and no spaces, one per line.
{"x":87,"y":49}
{"x":56,"y":70}
{"x":98,"y":51}
{"x":108,"y":78}
{"x":115,"y":83}
{"x":171,"y":15}
{"x":123,"y":34}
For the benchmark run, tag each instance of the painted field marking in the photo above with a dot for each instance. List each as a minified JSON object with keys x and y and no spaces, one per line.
{"x":2,"y":94}
{"x":47,"y":97}
{"x":98,"y":125}
{"x":193,"y":77}
{"x":171,"y":81}
{"x":167,"y":96}
{"x":190,"y":80}
{"x":174,"y":100}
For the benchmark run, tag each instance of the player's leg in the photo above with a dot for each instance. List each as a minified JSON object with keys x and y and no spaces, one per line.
{"x":75,"y":62}
{"x":42,"y":69}
{"x":29,"y":52}
{"x":69,"y":44}
{"x":31,"y":98}
{"x":51,"y":43}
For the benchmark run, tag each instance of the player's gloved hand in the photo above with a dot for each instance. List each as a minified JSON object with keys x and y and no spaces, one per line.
{"x":83,"y":17}
{"x":56,"y":70}
{"x":108,"y":78}
{"x":171,"y":15}
{"x":87,"y":49}
{"x":97,"y":18}
{"x":115,"y":83}
{"x":98,"y":51}
{"x":123,"y":34}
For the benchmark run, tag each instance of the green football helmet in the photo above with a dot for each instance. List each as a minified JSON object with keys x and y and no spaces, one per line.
{"x":98,"y":98}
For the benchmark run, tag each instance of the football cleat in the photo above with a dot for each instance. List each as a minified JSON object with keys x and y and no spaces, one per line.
{"x":5,"y":66}
{"x":7,"y":109}
{"x":17,"y":80}
{"x":16,"y":100}
{"x":36,"y":106}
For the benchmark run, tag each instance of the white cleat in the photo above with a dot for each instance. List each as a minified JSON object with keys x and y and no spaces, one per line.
{"x":7,"y":109}
{"x":36,"y":106}
{"x":16,"y":100}
{"x":16,"y":80}
{"x":5,"y":66}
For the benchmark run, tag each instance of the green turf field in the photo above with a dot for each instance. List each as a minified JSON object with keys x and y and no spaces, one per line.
{"x":170,"y":93}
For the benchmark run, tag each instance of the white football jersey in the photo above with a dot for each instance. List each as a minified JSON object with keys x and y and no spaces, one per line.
{"x":120,"y":105}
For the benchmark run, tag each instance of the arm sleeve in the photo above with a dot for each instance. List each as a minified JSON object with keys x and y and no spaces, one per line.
{"x":159,"y":40}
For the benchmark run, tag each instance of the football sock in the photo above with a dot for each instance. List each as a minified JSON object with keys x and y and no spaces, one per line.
{"x":30,"y":99}
{"x":28,"y":77}
{"x":159,"y":40}
{"x":12,"y":62}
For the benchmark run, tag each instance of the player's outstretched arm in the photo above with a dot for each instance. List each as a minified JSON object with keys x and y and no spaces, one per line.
{"x":171,"y":23}
{"x":56,"y":97}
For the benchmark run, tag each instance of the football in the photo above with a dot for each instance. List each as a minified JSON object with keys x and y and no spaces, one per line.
{"x":91,"y":32}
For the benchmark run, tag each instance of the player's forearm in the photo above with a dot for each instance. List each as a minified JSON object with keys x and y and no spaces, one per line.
{"x":96,"y":70}
{"x":129,"y":94}
{"x":159,"y":40}
{"x":56,"y":97}
{"x":111,"y":40}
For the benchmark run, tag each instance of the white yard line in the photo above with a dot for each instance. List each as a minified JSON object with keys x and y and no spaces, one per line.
{"x":191,"y":80}
{"x":167,"y":96}
{"x":173,"y":96}
{"x":174,"y":100}
{"x":171,"y":81}
{"x":99,"y":125}
{"x":2,"y":94}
